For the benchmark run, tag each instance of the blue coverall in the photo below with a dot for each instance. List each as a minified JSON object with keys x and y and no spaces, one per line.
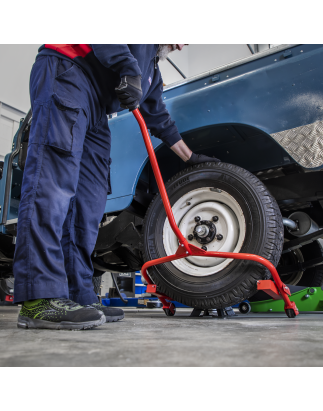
{"x":66,"y":176}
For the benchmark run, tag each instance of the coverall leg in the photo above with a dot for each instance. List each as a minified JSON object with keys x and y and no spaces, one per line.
{"x":65,"y":183}
{"x":86,"y":209}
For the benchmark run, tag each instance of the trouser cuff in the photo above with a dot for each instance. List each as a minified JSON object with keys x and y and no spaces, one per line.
{"x":87,"y":298}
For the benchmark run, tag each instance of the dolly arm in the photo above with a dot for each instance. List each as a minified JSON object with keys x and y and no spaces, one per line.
{"x":159,"y":178}
{"x":185,"y":249}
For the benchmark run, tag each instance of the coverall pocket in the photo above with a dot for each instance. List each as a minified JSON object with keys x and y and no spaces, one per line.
{"x":63,"y":67}
{"x":71,"y":85}
{"x":66,"y":127}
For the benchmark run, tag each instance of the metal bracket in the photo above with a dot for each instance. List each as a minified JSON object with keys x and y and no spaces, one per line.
{"x":215,"y":79}
{"x":299,"y":242}
{"x":270,"y":288}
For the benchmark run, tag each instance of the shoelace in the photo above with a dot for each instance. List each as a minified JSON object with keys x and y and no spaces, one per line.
{"x":97,"y":305}
{"x":65,"y":302}
{"x":94,"y":305}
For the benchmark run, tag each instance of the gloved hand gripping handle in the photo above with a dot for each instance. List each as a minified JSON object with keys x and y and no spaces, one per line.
{"x":129,"y":92}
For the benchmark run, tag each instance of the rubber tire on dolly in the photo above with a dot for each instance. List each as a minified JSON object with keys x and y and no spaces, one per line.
{"x":244,"y":308}
{"x":264,"y":237}
{"x":169,"y":313}
{"x":290,"y":313}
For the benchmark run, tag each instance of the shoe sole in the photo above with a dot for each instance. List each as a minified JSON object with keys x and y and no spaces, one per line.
{"x":25,"y":322}
{"x":112,"y":319}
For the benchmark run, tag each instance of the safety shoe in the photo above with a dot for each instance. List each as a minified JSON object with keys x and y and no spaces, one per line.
{"x":111,"y":314}
{"x":58,"y":314}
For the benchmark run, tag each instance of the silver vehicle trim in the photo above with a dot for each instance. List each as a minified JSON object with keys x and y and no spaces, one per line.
{"x":304,"y":143}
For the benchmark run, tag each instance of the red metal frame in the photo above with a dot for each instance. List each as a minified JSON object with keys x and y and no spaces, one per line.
{"x":278,"y":289}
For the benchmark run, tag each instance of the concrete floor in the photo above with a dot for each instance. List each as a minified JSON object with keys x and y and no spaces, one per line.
{"x":149,"y":338}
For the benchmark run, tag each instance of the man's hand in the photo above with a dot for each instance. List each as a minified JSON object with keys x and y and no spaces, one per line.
{"x":190,"y":158}
{"x":201,"y":158}
{"x":129,"y":92}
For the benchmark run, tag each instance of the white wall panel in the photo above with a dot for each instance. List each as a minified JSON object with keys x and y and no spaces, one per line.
{"x":15,"y":67}
{"x":197,"y":58}
{"x":169,"y":73}
{"x":203,"y":57}
{"x":9,"y":123}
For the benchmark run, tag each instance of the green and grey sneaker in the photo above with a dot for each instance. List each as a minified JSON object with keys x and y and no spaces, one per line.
{"x":111,"y":314}
{"x":58,"y":314}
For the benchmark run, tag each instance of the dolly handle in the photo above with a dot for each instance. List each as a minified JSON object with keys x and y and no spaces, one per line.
{"x":159,"y":179}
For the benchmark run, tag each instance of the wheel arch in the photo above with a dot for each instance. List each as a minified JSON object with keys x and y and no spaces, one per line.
{"x":244,"y":145}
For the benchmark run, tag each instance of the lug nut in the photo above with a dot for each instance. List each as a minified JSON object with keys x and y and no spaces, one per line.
{"x":208,"y":238}
{"x":197,"y":219}
{"x":219,"y":237}
{"x":190,"y":237}
{"x":204,"y":248}
{"x":215,"y":218}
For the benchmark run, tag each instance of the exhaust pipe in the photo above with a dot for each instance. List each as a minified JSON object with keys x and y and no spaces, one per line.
{"x":290,"y":224}
{"x":300,"y":224}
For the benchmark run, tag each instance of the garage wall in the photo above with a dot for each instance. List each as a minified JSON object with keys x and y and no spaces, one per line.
{"x":197,"y":58}
{"x":181,"y":58}
{"x":9,"y":122}
{"x":16,"y":63}
{"x":204,"y":57}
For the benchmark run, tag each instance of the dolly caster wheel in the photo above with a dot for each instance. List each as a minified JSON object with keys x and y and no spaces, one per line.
{"x":168,"y":312}
{"x":290,"y":313}
{"x":244,"y":308}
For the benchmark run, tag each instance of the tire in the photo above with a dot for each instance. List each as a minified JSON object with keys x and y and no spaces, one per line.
{"x":312,"y":277}
{"x":97,"y":284}
{"x":225,"y":282}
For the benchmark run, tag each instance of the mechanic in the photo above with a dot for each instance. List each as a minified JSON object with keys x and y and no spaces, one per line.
{"x":67,"y":173}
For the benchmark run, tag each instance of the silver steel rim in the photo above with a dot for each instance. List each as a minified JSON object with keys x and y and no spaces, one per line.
{"x":206,"y":203}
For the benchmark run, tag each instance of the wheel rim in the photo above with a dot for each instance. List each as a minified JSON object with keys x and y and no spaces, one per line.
{"x":206,"y":203}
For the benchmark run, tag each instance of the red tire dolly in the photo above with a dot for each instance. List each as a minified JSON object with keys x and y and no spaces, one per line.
{"x":277,"y":289}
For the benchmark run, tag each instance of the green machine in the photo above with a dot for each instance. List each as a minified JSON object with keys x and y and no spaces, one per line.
{"x":306,"y":299}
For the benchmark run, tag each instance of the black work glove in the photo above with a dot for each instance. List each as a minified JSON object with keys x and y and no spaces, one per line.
{"x":201,"y":158}
{"x":129,"y":92}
